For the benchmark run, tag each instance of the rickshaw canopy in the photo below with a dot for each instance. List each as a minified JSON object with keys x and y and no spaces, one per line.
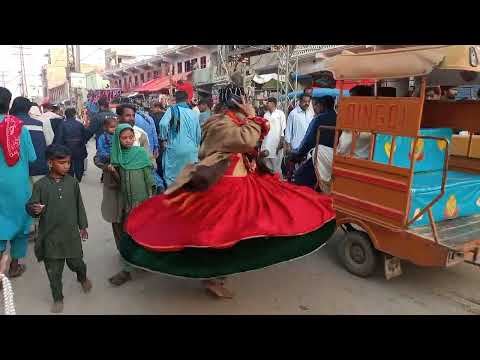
{"x":442,"y":64}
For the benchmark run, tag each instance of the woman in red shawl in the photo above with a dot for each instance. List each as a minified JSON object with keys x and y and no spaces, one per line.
{"x":225,"y":214}
{"x":16,"y":151}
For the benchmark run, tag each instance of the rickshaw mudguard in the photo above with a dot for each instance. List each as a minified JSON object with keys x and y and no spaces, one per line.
{"x":400,"y":243}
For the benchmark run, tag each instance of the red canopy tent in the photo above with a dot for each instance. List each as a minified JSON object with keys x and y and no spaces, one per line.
{"x":160,"y":83}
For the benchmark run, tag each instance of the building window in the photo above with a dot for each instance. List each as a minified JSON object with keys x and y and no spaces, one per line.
{"x":142,"y":77}
{"x":136,"y":80}
{"x":179,"y":68}
{"x":194,"y":64}
{"x":129,"y":81}
{"x":172,"y":69}
{"x":188,"y":66}
{"x":120,"y":83}
{"x":155,"y":74}
{"x":203,"y":62}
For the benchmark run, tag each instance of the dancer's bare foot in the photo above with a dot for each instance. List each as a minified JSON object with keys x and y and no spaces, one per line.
{"x":86,"y":285}
{"x":57,"y":307}
{"x":216,"y":287}
{"x":121,"y":278}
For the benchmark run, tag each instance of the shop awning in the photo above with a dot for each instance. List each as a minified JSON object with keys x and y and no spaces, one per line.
{"x":161,"y":83}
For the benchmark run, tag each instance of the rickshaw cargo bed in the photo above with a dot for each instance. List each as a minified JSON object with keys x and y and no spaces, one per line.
{"x":461,"y":234}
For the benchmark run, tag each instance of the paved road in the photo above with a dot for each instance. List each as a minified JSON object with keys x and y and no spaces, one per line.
{"x":316,"y":284}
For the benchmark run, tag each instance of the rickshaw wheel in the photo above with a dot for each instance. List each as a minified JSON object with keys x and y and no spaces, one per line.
{"x":357,"y":253}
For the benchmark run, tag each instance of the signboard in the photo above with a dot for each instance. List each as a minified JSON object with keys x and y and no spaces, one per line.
{"x":397,"y":116}
{"x":78,"y":80}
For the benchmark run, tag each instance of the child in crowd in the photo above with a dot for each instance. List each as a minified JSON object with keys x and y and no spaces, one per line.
{"x":104,"y":146}
{"x":104,"y":142}
{"x":133,"y":168}
{"x":57,"y":200}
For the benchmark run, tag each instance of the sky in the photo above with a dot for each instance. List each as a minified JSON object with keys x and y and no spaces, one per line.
{"x":35,"y":58}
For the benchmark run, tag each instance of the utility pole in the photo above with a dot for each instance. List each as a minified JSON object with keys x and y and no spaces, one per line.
{"x":78,"y":98}
{"x":23,"y":75}
{"x":73,"y":65}
{"x":68,"y":70}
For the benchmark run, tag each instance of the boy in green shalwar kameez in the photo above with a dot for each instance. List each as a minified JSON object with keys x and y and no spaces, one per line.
{"x":57,"y":200}
{"x":132,"y":168}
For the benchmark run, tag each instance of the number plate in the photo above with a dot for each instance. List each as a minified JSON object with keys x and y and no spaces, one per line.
{"x":393,"y":267}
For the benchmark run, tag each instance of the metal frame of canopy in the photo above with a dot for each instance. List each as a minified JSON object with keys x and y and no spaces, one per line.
{"x":441,"y":64}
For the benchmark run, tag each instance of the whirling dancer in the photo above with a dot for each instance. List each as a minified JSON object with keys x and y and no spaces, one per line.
{"x":226,"y":215}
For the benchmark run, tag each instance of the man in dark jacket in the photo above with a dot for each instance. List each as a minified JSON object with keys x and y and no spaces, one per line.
{"x":74,"y":137}
{"x":96,"y":123}
{"x":157,"y":114}
{"x":20,"y":108}
{"x":325,"y":115}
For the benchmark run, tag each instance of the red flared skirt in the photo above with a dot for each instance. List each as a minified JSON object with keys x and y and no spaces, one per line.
{"x":235,"y":209}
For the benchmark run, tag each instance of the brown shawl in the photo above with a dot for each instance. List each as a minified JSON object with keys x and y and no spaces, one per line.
{"x":221,"y":137}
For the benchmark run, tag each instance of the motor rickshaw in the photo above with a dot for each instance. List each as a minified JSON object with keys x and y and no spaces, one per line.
{"x":417,"y":195}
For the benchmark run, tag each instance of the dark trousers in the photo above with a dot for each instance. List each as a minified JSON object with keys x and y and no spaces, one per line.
{"x":54,"y":269}
{"x":288,"y":168}
{"x":305,"y":174}
{"x":160,"y":168}
{"x":77,"y":168}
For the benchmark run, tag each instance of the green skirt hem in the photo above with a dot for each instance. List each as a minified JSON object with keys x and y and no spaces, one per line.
{"x":247,"y":255}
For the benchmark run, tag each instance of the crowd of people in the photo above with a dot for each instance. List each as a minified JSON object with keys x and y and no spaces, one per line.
{"x":251,"y":177}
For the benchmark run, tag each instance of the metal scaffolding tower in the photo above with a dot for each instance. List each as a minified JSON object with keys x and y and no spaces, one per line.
{"x":287,"y":64}
{"x":23,"y":76}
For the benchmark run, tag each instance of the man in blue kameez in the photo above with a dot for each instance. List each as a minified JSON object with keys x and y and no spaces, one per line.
{"x":147,"y":124}
{"x":180,"y":136}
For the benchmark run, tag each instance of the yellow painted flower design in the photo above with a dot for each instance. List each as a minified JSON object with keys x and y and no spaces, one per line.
{"x":418,"y":153}
{"x":388,"y":148}
{"x":441,"y":145}
{"x":451,"y":209}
